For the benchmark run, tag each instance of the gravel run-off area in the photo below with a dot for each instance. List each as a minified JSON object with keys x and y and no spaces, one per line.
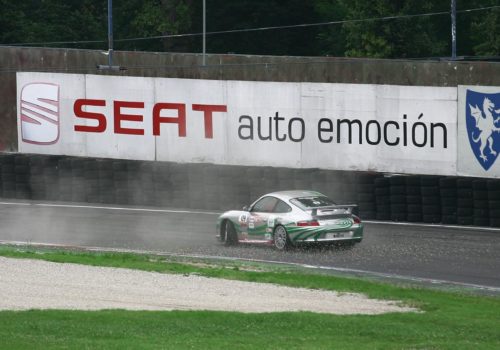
{"x":36,"y":284}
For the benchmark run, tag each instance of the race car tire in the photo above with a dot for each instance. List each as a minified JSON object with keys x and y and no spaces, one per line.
{"x":228,"y":234}
{"x":280,"y":238}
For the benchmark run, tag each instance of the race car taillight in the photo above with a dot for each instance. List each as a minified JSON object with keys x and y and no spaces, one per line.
{"x":356,"y":219}
{"x":308,"y":223}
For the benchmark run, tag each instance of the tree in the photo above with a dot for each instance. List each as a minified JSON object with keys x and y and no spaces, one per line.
{"x":146,"y":18}
{"x":51,"y":20}
{"x":394,"y":38}
{"x":479,"y":31}
{"x":360,"y":35}
{"x":247,"y":14}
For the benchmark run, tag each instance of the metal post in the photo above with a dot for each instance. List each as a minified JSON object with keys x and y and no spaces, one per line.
{"x":110,"y":42}
{"x":453,"y":29}
{"x":204,"y":32}
{"x":110,"y":33}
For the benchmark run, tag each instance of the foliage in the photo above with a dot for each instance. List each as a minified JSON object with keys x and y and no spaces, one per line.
{"x":395,"y":38}
{"x":365,"y":35}
{"x":485,"y":30}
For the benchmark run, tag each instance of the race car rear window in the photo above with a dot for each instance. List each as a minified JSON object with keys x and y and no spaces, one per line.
{"x":282,"y":207}
{"x":312,"y":202}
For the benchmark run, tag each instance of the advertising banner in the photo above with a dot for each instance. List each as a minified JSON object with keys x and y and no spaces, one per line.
{"x":383,"y":128}
{"x":478,"y":131}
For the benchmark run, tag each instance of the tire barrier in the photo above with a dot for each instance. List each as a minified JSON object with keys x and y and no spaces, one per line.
{"x":408,"y":198}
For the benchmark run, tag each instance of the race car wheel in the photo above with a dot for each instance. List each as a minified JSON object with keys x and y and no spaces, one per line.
{"x":229,"y":234}
{"x":281,"y":240}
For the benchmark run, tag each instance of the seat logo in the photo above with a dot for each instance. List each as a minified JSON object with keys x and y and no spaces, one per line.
{"x":39,"y":111}
{"x":483,"y":126}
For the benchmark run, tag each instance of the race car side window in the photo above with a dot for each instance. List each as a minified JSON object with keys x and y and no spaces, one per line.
{"x":282,"y":207}
{"x":265,"y":205}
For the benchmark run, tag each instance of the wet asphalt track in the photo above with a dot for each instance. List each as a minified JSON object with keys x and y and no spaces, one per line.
{"x":465,"y":255}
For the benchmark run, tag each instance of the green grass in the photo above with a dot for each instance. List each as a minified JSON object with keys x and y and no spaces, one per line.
{"x":450,"y":320}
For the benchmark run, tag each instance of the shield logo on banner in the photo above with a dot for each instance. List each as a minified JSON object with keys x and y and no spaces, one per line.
{"x":483,"y":126}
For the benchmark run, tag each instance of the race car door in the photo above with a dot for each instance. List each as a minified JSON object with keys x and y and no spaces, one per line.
{"x":260,"y":213}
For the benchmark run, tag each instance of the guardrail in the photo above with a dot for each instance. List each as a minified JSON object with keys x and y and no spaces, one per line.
{"x":413,"y":198}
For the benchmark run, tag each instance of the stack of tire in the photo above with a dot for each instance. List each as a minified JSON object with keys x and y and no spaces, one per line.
{"x":397,"y":190}
{"x":243,"y":192}
{"x":195,"y":174}
{"x":8,"y":176}
{"x":164,"y":187}
{"x":4,"y":160}
{"x":146,"y":183}
{"x":382,"y":198}
{"x":1,"y":179}
{"x":232,"y":191}
{"x":448,"y":193}
{"x":431,"y":201}
{"x":285,"y":180}
{"x":366,"y":196}
{"x":413,"y":199}
{"x":465,"y":207}
{"x":348,"y":188}
{"x":302,"y":179}
{"x":211,"y":190}
{"x":134,"y":184}
{"x":65,"y":179}
{"x":78,"y":193}
{"x":22,"y":173}
{"x":319,"y":181}
{"x":37,"y":179}
{"x":494,"y":202}
{"x":51,"y":178}
{"x":481,"y":213}
{"x":255,"y":181}
{"x":91,"y":175}
{"x":180,"y":186}
{"x":105,"y":183}
{"x":120,"y":181}
{"x":270,"y":179}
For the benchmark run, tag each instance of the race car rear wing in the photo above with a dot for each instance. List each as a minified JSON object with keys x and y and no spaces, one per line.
{"x":348,"y":209}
